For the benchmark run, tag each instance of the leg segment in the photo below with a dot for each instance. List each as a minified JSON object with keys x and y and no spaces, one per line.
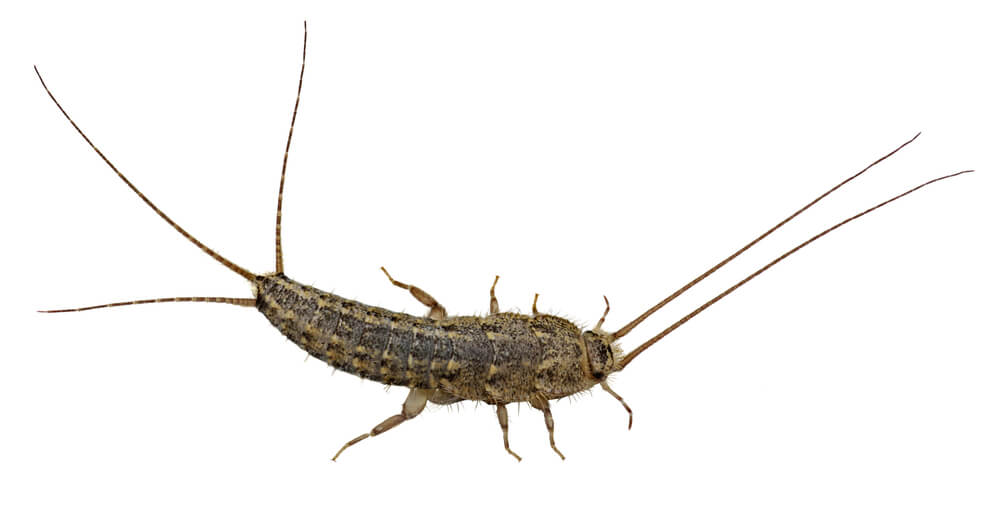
{"x":604,"y":385}
{"x":543,"y":405}
{"x":414,"y":403}
{"x":494,"y":305}
{"x":502,"y":416}
{"x":607,"y":308}
{"x":534,"y":306}
{"x":441,"y":397}
{"x":437,"y":311}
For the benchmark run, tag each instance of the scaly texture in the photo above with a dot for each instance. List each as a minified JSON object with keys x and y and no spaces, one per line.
{"x":501,"y":358}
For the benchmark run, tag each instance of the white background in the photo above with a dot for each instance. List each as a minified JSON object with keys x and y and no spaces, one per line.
{"x":577,"y":149}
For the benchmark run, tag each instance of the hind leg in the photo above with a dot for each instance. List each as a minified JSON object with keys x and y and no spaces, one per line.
{"x":414,"y":403}
{"x":437,"y":311}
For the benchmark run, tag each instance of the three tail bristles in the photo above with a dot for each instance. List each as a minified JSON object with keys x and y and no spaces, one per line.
{"x":248,"y":302}
{"x":279,"y":265}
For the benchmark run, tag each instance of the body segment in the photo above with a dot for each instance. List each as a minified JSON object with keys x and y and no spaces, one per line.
{"x":498,"y":358}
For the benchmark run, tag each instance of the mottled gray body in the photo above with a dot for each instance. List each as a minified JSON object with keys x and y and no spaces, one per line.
{"x":499,"y":358}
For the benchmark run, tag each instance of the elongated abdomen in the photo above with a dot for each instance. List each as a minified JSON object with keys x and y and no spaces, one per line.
{"x":499,"y":358}
{"x":371,"y":342}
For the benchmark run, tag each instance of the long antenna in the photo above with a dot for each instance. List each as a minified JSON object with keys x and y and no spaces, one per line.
{"x":628,"y":327}
{"x":279,"y":266}
{"x":634,"y":353}
{"x":232,"y":266}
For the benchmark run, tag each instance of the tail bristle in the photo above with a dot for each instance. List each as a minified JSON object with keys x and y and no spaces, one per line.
{"x":279,"y":264}
{"x":248,"y":302}
{"x":215,"y":255}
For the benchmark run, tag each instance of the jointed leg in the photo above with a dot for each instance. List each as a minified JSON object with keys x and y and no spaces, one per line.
{"x":604,"y":385}
{"x":437,"y":311}
{"x":534,"y":306}
{"x":607,"y":308}
{"x":543,"y":405}
{"x":494,"y":305}
{"x":502,"y":416}
{"x":440,"y":397}
{"x":414,"y":403}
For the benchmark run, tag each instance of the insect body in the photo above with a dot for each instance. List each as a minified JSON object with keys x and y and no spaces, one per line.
{"x":500,"y":358}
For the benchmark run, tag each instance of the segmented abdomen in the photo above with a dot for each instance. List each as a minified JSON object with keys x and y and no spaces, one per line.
{"x":499,"y":358}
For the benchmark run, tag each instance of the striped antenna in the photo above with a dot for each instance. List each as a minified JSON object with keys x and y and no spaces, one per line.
{"x":634,"y":353}
{"x":279,"y":265}
{"x":215,"y":255}
{"x":248,"y":302}
{"x":631,"y":325}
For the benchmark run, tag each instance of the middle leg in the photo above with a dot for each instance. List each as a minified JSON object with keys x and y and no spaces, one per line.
{"x":502,"y":417}
{"x":494,"y":305}
{"x":543,"y":405}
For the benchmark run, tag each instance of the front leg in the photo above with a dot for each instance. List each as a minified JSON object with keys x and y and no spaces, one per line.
{"x":604,"y":385}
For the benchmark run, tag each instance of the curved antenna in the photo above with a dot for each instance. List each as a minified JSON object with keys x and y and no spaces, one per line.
{"x":249,"y":302}
{"x":628,"y":327}
{"x":634,"y":353}
{"x":279,"y":266}
{"x":215,"y":255}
